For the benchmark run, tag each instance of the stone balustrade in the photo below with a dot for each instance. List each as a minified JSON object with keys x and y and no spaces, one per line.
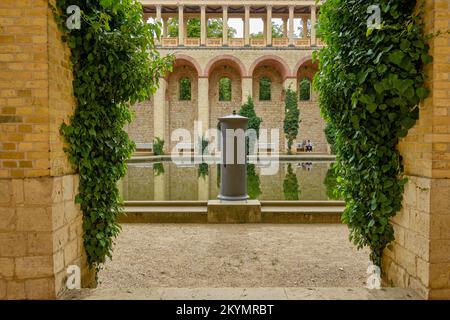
{"x":287,"y":11}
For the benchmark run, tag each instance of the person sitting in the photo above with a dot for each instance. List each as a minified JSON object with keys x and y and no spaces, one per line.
{"x":309,"y":146}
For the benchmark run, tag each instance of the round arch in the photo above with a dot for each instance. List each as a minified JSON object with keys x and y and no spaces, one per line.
{"x":278,"y":62}
{"x":235,"y":62}
{"x":308,"y":63}
{"x":185,"y":59}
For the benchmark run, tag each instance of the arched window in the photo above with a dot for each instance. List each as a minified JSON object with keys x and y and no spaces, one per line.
{"x":265,"y":93}
{"x":185,"y":89}
{"x":305,"y":90}
{"x":225,"y":89}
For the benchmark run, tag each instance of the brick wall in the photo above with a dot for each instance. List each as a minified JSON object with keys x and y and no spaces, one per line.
{"x":272,"y":111}
{"x":141,"y":128}
{"x":312,"y":124}
{"x":40,"y":225}
{"x":181,"y":113}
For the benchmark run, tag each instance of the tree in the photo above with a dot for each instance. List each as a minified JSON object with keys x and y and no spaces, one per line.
{"x":254,"y":122}
{"x":214,"y":28}
{"x":253,"y":183}
{"x":277,"y":32}
{"x":291,"y":117}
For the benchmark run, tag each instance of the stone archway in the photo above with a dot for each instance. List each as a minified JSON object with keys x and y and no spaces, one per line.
{"x":181,"y":112}
{"x":275,"y":70}
{"x":217,"y":69}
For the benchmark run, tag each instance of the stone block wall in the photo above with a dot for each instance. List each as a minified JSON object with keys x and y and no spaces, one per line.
{"x":40,"y":225}
{"x":419,"y":258}
{"x":40,"y":236}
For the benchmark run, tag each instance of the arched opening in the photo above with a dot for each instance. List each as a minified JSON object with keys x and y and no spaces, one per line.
{"x":265,"y":89}
{"x":184,"y":89}
{"x":304,"y":89}
{"x":225,"y":89}
{"x":181,"y":98}
{"x":305,"y":71}
{"x":268,"y":73}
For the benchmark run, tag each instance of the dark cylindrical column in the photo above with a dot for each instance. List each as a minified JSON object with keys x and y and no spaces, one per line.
{"x":233,"y":166}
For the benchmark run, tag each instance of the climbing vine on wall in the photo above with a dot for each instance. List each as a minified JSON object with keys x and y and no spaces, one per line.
{"x":371,"y":82}
{"x":115,"y":65}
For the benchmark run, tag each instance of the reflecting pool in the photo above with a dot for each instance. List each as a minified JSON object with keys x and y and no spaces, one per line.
{"x":167,"y":181}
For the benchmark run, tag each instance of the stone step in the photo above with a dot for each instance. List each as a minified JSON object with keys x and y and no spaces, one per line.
{"x":293,"y":293}
{"x":196,"y":212}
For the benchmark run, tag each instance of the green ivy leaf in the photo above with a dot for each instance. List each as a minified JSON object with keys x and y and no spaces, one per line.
{"x":408,"y":123}
{"x":422,"y":93}
{"x":396,"y":57}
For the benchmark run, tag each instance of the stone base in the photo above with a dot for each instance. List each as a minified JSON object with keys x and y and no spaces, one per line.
{"x":41,"y":234}
{"x":248,"y":211}
{"x":419,"y":258}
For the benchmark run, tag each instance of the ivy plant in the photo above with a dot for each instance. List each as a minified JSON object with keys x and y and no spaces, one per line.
{"x":371,"y":82}
{"x":115,"y":65}
{"x":254,"y":122}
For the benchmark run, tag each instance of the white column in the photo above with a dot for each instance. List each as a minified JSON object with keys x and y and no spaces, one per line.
{"x":247,"y":26}
{"x":247,"y":88}
{"x":165,"y":28}
{"x":269,"y":26}
{"x":313,"y":25}
{"x":305,"y":27}
{"x":158,"y":12}
{"x":203,"y":32}
{"x":160,"y":110}
{"x":285,"y":27}
{"x":158,"y":18}
{"x":264,"y":28}
{"x":180,"y":26}
{"x":225,"y":25}
{"x":203,"y":103}
{"x":291,"y":25}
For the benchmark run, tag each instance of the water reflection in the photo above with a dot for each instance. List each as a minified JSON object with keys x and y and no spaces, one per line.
{"x":290,"y":184}
{"x":253,"y":183}
{"x":167,"y":181}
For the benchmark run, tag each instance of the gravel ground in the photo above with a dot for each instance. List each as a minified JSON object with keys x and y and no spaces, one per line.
{"x":244,"y":255}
